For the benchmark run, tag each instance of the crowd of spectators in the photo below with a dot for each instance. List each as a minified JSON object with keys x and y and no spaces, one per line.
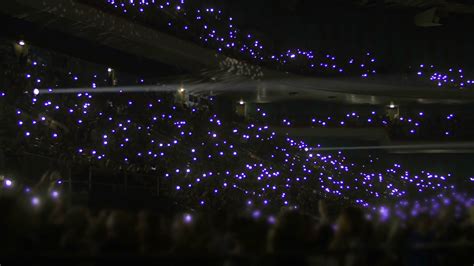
{"x":213,"y":27}
{"x":331,"y":237}
{"x":210,"y":160}
{"x":248,"y":190}
{"x":413,"y":124}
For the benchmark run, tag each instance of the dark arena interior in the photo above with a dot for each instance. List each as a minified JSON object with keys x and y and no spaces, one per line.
{"x":238,"y":132}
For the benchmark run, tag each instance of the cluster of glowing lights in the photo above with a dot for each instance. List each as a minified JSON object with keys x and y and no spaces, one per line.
{"x":9,"y":184}
{"x":216,"y":29}
{"x":219,"y":158}
{"x":414,"y":124}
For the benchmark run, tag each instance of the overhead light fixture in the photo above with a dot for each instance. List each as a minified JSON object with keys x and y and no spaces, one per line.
{"x":36,"y":92}
{"x":21,"y":43}
{"x":241,"y":102}
{"x":181,"y":90}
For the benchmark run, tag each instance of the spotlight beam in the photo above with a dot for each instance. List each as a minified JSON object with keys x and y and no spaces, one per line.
{"x":154,"y":88}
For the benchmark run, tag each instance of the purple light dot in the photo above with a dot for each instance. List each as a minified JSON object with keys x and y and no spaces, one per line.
{"x":8,"y":183}
{"x":35,"y":201}
{"x":188,"y":218}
